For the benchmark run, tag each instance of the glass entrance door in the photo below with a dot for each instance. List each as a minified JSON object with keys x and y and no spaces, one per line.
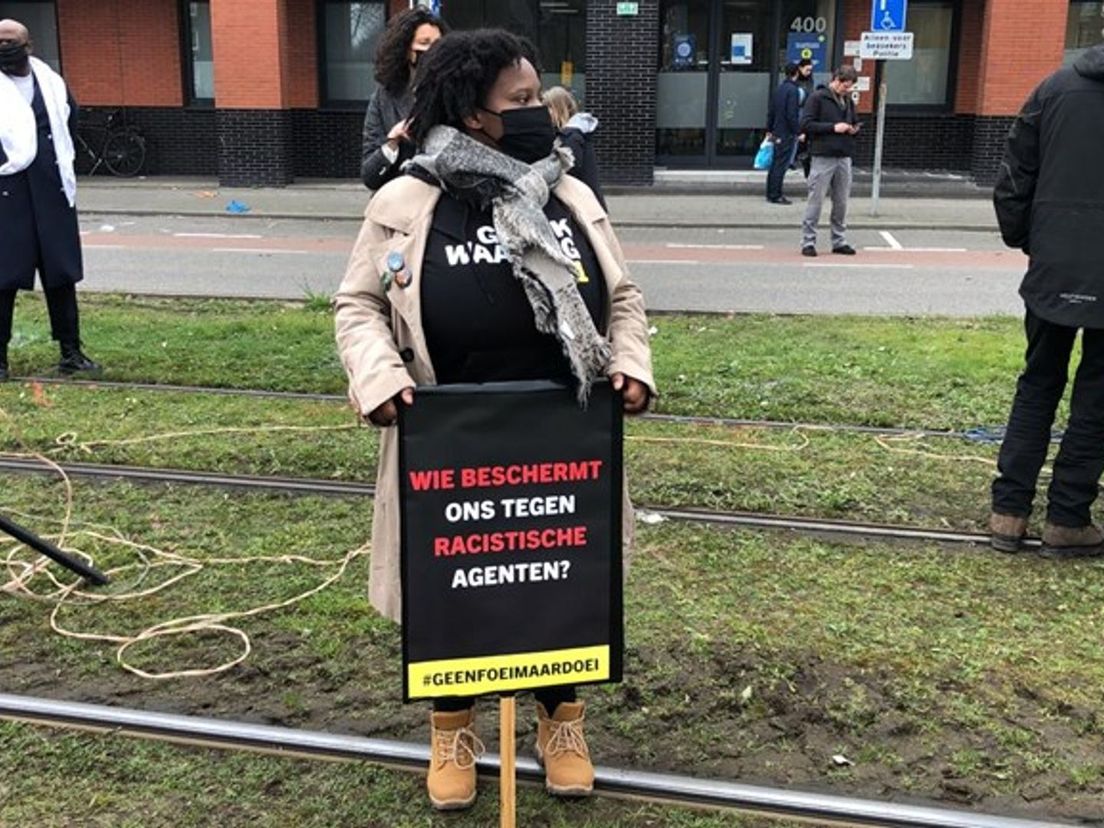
{"x":719,"y":61}
{"x":746,"y":54}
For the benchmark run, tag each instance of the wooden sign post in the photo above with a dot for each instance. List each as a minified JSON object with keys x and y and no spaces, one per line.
{"x":507,"y":773}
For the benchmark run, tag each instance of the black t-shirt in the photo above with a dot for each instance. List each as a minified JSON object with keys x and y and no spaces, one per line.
{"x":478,"y":323}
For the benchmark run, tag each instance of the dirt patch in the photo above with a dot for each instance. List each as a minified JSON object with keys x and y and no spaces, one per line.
{"x":723,"y":713}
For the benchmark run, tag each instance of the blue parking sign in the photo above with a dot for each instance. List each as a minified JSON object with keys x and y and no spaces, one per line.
{"x":888,"y":15}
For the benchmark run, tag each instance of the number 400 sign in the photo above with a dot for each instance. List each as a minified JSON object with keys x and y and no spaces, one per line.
{"x":809,"y":25}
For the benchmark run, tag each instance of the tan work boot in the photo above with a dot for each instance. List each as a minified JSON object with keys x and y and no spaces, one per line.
{"x":1072,"y":541}
{"x":562,"y":749}
{"x":1006,"y":532}
{"x":454,"y":749}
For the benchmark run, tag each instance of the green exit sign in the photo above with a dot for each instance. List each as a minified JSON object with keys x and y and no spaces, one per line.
{"x":628,"y":9}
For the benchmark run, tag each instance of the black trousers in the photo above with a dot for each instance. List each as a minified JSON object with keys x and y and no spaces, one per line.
{"x":783,"y":157}
{"x":550,"y":697}
{"x":61,"y":303}
{"x":1080,"y":459}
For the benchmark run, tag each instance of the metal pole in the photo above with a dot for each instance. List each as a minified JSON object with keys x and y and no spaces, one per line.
{"x":89,"y":573}
{"x":879,"y":134}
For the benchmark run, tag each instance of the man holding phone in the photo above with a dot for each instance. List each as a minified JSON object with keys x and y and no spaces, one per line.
{"x":830,"y":125}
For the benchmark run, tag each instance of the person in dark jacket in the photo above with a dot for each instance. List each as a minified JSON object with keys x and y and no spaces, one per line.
{"x":783,"y":127}
{"x":830,"y":124}
{"x":806,"y":84}
{"x":38,"y":191}
{"x":385,"y":143}
{"x":1049,"y":199}
{"x":575,"y":130}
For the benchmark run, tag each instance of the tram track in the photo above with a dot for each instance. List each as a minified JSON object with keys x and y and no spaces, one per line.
{"x":820,"y":809}
{"x":676,"y":419}
{"x":824,"y":527}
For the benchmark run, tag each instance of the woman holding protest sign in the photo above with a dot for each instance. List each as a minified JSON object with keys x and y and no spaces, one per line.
{"x":484,"y":263}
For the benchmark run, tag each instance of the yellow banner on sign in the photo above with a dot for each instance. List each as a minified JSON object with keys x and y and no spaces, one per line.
{"x":567,"y":73}
{"x":486,"y":675}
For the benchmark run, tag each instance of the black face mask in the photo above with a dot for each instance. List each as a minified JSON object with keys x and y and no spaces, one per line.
{"x":527,"y":133}
{"x":14,"y":57}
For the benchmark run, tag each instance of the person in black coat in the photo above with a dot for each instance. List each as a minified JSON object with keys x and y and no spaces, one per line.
{"x":1049,"y":199}
{"x":807,"y":86}
{"x":830,"y":125}
{"x":783,"y":127}
{"x":38,"y":186}
{"x":385,"y":145}
{"x":576,"y":131}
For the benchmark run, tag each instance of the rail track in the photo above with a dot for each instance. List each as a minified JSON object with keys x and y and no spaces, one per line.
{"x":310,"y":486}
{"x":662,"y":418}
{"x":821,"y":809}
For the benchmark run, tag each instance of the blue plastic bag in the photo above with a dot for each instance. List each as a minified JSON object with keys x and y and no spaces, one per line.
{"x":765,"y":156}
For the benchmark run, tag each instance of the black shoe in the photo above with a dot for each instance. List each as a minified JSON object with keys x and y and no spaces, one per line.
{"x":844,"y":250}
{"x":73,"y":361}
{"x":808,"y":250}
{"x":3,"y":372}
{"x":779,"y":200}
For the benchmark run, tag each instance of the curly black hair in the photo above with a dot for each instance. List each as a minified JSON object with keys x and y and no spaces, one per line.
{"x":392,"y":68}
{"x":458,"y":73}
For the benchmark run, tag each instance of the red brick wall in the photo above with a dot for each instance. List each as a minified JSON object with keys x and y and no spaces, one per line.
{"x":969,"y":56}
{"x":121,"y":52}
{"x":1022,"y":42}
{"x":302,"y":54}
{"x":251,"y":71}
{"x":856,"y":20}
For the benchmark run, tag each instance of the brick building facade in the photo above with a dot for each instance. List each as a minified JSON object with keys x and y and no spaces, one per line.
{"x":260,"y":92}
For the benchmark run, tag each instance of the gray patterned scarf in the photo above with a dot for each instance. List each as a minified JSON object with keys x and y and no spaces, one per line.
{"x":516,"y":193}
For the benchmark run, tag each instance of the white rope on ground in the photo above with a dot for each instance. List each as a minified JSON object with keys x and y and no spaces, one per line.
{"x":69,"y":439}
{"x":22,"y":573}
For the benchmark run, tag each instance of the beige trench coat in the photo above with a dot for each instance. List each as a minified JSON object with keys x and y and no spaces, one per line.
{"x":377,"y":328}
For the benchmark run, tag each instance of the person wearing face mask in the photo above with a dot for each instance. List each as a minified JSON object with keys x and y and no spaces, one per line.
{"x":482,"y":233}
{"x":385,"y":143}
{"x":38,"y":187}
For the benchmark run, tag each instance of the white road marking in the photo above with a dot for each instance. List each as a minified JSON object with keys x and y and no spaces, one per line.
{"x":218,"y":235}
{"x":674,"y":245}
{"x":892,"y":242}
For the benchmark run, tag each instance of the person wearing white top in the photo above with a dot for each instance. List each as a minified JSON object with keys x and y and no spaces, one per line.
{"x":38,"y":189}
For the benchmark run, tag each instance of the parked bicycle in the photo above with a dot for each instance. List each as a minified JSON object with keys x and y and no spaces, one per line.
{"x":112,"y":143}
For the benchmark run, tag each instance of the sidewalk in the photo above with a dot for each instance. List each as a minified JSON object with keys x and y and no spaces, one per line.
{"x":641,"y":207}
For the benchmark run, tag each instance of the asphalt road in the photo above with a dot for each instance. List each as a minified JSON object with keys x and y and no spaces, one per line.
{"x":907,"y":272}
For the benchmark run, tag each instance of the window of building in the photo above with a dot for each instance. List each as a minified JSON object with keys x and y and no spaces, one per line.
{"x":199,"y":55}
{"x":1084,"y":28}
{"x":926,"y":79}
{"x":557,"y":29}
{"x":40,"y":18}
{"x":349,"y":34}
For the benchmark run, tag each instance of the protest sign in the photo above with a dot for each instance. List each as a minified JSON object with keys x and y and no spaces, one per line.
{"x":511,"y":538}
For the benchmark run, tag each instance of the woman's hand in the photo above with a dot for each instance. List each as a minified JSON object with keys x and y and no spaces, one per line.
{"x":634,"y":395}
{"x":398,"y":134}
{"x":387,"y":413}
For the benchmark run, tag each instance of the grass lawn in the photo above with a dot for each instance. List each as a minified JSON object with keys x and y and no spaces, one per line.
{"x":967,"y":677}
{"x":933,"y":373}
